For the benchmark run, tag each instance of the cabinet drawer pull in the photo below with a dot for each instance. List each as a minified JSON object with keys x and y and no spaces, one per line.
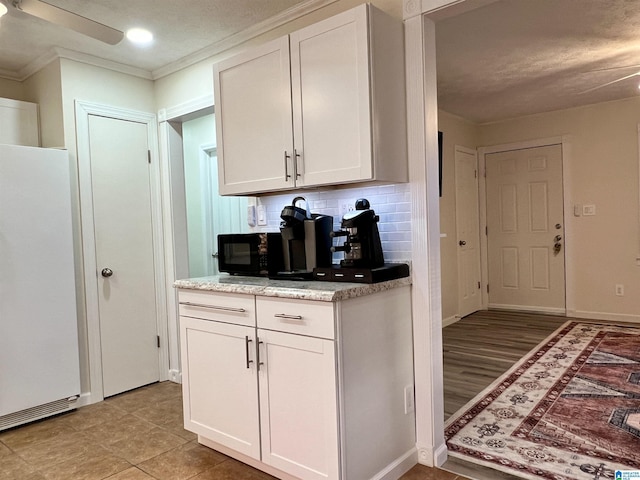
{"x":297,"y":155}
{"x":214,"y":307}
{"x":286,"y":166}
{"x":247,"y":341}
{"x":289,"y":317}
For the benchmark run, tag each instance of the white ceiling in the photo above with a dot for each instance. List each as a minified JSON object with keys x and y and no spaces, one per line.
{"x":506,"y":59}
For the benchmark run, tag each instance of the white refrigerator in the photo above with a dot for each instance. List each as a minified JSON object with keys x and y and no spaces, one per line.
{"x":39,"y":360}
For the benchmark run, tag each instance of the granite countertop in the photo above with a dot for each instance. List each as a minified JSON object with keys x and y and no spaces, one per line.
{"x":297,"y":289}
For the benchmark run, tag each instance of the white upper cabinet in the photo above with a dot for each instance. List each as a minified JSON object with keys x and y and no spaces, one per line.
{"x":19,"y":123}
{"x":324,"y":105}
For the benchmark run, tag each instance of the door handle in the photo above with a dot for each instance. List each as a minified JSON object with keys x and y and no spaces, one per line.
{"x":556,"y":248}
{"x":106,"y":272}
{"x":462,"y":243}
{"x":557,"y":238}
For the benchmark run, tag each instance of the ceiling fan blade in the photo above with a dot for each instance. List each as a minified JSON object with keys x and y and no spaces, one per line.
{"x":70,"y":20}
{"x":609,"y":83}
{"x":608,"y":69}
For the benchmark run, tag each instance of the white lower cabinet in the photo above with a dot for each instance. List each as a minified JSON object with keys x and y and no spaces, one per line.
{"x":290,"y":387}
{"x":298,"y":405}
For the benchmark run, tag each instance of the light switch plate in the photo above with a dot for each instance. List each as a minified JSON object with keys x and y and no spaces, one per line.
{"x":262,"y":215}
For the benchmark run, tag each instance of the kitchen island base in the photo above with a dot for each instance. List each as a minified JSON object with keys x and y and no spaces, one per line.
{"x":302,"y":389}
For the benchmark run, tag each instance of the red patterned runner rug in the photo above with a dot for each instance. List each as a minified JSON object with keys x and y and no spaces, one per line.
{"x":569,"y":410}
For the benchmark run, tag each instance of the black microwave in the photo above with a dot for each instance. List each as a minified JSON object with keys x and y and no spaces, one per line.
{"x":254,"y":254}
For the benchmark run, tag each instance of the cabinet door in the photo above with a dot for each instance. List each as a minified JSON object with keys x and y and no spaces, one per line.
{"x":219,"y":382}
{"x":331,"y":99}
{"x":298,"y":405}
{"x":253,"y":110}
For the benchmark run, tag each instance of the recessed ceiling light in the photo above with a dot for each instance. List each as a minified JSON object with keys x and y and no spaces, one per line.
{"x":3,"y":9}
{"x":140,"y":36}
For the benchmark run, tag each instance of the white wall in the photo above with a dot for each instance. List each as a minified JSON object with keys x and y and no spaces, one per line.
{"x":45,"y":88}
{"x":12,"y":89}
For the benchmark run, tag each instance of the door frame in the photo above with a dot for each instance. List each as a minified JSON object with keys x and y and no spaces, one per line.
{"x":206,"y":152}
{"x":83,"y":110}
{"x":474,"y":152}
{"x":569,"y":275}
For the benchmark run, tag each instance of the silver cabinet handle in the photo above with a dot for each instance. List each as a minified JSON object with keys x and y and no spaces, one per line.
{"x":247,"y":341}
{"x":214,"y":307}
{"x":286,"y":166}
{"x":289,"y":317}
{"x":260,"y":342}
{"x":297,"y":155}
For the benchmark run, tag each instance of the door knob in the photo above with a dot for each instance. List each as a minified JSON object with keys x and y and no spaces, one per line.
{"x":556,"y":248}
{"x":106,"y":272}
{"x":462,"y":243}
{"x":557,"y":238}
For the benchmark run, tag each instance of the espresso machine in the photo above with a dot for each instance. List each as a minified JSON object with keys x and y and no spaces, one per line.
{"x":362,"y":247}
{"x":306,"y":241}
{"x":363,"y":257}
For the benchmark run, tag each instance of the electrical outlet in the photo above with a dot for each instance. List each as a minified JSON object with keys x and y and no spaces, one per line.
{"x":620,"y":290}
{"x":409,"y":403}
{"x":347,"y":206}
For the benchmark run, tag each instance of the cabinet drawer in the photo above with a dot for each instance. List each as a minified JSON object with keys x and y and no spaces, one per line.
{"x":303,"y":317}
{"x":223,"y":307}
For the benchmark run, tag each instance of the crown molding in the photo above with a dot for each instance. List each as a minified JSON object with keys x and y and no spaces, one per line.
{"x":231,"y":41}
{"x":57,"y":53}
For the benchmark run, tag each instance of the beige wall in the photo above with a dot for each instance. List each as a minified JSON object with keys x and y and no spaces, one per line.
{"x":602,"y":170}
{"x":12,"y":89}
{"x":196,"y":81}
{"x":93,"y":84}
{"x":45,"y":88}
{"x":456,"y":132}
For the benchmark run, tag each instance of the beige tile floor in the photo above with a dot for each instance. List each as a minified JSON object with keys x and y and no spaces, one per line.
{"x":134,"y":436}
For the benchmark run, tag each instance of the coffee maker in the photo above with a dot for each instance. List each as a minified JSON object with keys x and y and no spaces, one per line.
{"x":362,"y":247}
{"x":306,"y":241}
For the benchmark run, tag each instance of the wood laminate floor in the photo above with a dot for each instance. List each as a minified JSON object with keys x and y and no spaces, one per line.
{"x":482,"y":346}
{"x":477,"y":350}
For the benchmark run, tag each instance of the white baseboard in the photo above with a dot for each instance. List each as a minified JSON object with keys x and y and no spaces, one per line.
{"x":440,"y":455}
{"x":398,"y":467}
{"x":175,"y":376}
{"x":614,"y":317}
{"x":425,"y":455}
{"x":450,"y":320}
{"x":527,"y":308}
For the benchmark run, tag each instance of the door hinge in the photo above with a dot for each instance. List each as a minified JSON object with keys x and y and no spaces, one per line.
{"x":158,"y":339}
{"x":487,"y":288}
{"x":486,"y":231}
{"x":478,"y":285}
{"x":149,"y":155}
{"x":475,"y":174}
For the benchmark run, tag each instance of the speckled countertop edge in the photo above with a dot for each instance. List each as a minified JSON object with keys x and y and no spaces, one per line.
{"x":301,"y":290}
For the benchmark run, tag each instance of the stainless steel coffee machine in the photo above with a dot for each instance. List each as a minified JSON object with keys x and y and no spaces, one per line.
{"x":306,"y":241}
{"x":362,"y":247}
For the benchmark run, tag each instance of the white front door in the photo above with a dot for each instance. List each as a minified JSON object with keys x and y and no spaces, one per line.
{"x":525,"y":229}
{"x":120,"y":176}
{"x":468,"y":231}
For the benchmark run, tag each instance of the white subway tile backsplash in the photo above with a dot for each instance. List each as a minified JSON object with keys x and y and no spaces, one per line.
{"x":390,"y":202}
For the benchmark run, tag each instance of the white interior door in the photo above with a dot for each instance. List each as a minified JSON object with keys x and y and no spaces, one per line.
{"x":219,"y":214}
{"x":468,"y":231}
{"x":525,"y":229}
{"x":120,"y":175}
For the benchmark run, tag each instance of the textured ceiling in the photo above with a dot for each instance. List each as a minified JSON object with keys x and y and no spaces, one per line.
{"x":506,"y":59}
{"x":180,"y":28}
{"x":519,"y":57}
